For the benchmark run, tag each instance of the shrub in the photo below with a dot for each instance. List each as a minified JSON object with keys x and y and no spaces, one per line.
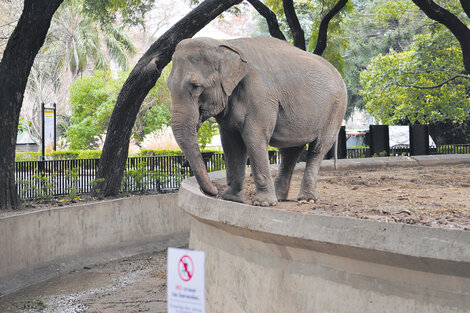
{"x":27,"y":156}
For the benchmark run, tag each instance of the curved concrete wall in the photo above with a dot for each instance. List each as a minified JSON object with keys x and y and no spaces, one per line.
{"x":268,"y":260}
{"x":41,"y":244}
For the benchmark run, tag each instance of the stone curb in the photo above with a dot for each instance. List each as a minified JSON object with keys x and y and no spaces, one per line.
{"x":402,"y":239}
{"x":399,"y":161}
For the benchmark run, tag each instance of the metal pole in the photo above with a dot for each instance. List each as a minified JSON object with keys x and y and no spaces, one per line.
{"x":43,"y":148}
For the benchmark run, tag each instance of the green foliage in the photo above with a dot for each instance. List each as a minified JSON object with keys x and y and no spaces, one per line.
{"x":92,"y":99}
{"x":23,"y":125}
{"x":27,"y":156}
{"x":143,"y":175}
{"x":107,"y":11}
{"x":381,"y":154}
{"x":449,"y":132}
{"x":155,"y":118}
{"x":35,"y":304}
{"x":41,"y":185}
{"x":96,"y":185}
{"x":373,"y":28}
{"x":71,"y":175}
{"x":75,"y":154}
{"x":208,"y":130}
{"x":145,"y":152}
{"x":76,"y":40}
{"x":391,"y":83}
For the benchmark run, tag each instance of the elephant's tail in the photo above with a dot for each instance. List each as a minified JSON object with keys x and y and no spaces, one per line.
{"x":336,"y":153}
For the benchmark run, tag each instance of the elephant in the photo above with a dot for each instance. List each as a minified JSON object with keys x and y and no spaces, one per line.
{"x":262,"y":92}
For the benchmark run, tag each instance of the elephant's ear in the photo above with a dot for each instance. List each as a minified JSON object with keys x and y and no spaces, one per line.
{"x":232,"y":68}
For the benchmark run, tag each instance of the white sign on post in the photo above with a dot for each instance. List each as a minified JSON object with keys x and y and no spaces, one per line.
{"x":185,"y":281}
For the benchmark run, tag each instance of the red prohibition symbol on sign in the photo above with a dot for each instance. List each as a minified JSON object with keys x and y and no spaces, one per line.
{"x":186,"y":268}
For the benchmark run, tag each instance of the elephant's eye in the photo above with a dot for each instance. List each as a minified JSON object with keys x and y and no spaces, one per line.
{"x":196,"y":84}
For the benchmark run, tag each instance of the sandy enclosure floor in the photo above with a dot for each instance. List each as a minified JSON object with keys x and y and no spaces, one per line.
{"x":431,"y":196}
{"x":135,"y":284}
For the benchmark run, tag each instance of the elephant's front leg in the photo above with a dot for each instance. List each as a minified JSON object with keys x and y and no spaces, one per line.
{"x":235,"y":161}
{"x":259,"y":161}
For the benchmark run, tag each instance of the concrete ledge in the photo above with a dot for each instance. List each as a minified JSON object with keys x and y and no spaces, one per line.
{"x":378,"y":162}
{"x":431,"y":160}
{"x":42,"y":244}
{"x":401,"y":161}
{"x":268,"y":260}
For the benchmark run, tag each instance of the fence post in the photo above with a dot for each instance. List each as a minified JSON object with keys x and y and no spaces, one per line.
{"x":419,"y":140}
{"x":342,"y":150}
{"x":379,"y":140}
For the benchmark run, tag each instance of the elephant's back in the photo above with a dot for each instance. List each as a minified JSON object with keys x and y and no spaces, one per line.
{"x":281,"y":61}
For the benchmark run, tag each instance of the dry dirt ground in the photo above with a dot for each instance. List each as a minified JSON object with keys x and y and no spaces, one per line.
{"x":437,"y":196}
{"x":136,"y":284}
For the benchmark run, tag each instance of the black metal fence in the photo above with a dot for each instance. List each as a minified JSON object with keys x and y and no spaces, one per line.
{"x":51,"y":178}
{"x":364,"y":152}
{"x":451,"y":149}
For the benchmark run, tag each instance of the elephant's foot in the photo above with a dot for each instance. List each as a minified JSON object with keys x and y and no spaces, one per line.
{"x":230,"y":195}
{"x":264,"y":198}
{"x":306,"y":197}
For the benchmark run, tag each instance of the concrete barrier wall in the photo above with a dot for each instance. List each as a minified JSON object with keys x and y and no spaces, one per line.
{"x":269,"y":260}
{"x":38,"y":245}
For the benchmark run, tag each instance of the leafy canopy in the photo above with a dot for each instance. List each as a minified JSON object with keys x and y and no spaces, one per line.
{"x":92,"y":99}
{"x":130,"y":12}
{"x":397,"y":86}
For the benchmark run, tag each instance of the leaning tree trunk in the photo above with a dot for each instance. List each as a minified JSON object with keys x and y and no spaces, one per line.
{"x":294,"y":24}
{"x":270,"y":17}
{"x":142,"y":78}
{"x":452,"y":22}
{"x":18,"y":57}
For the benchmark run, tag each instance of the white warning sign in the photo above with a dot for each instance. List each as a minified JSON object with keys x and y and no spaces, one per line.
{"x":185,"y":281}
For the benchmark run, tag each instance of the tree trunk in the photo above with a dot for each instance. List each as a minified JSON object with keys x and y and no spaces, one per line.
{"x":142,"y":78}
{"x":294,"y":24}
{"x":270,"y":17}
{"x":323,"y":30}
{"x":452,"y":22}
{"x":22,"y":47}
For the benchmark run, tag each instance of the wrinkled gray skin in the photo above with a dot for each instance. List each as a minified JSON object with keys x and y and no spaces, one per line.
{"x":262,"y":91}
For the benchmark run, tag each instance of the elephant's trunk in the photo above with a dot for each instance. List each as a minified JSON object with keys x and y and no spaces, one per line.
{"x":185,"y":127}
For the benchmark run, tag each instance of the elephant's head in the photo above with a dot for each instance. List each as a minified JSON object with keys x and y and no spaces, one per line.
{"x":205,"y":73}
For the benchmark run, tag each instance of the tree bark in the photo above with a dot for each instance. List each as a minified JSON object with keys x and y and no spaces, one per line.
{"x":270,"y":17}
{"x":142,"y":78}
{"x":466,"y":6}
{"x":18,"y":57}
{"x":294,"y":24}
{"x":452,"y":22}
{"x":322,"y":38}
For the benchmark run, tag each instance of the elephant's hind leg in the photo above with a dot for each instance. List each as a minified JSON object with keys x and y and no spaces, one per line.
{"x":316,"y":152}
{"x":289,"y":158}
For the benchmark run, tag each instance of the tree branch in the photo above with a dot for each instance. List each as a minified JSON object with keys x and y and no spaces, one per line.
{"x":270,"y":17}
{"x":456,"y":26}
{"x":294,"y":24}
{"x":466,"y":6}
{"x":323,"y":30}
{"x":436,"y":86}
